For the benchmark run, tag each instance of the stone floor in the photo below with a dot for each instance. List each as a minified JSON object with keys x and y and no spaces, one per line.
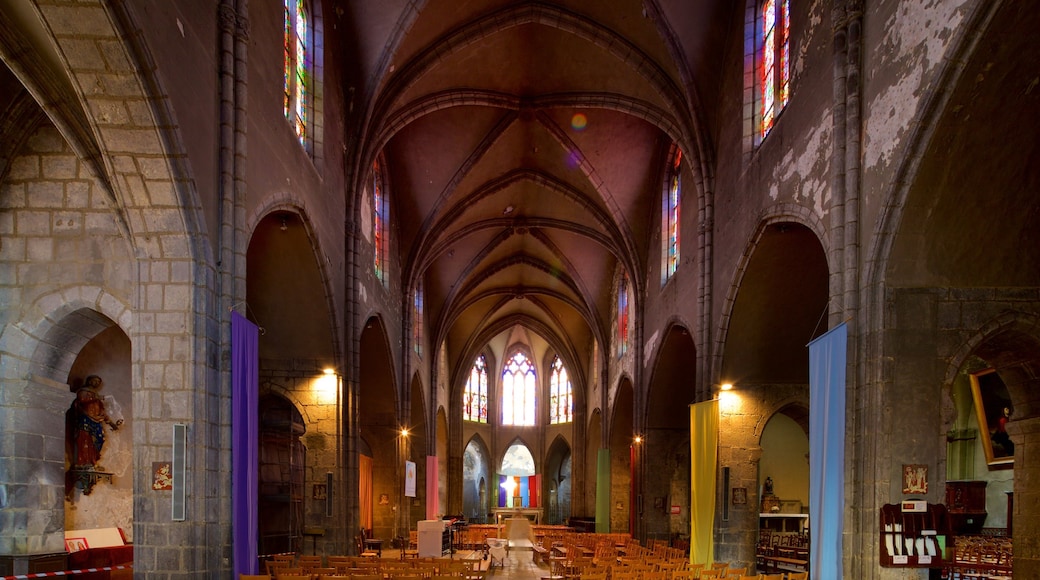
{"x":519,"y":566}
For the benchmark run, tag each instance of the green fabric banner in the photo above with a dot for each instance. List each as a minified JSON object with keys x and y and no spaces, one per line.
{"x":704,"y":444}
{"x":603,"y":491}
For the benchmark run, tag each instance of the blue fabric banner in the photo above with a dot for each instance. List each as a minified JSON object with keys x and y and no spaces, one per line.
{"x":827,"y":356}
{"x":245,"y":386}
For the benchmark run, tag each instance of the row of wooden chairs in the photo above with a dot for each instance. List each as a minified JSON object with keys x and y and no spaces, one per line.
{"x":980,"y":557}
{"x":359,"y":566}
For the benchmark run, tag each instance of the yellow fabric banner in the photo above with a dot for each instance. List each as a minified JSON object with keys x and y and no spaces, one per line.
{"x":704,"y":444}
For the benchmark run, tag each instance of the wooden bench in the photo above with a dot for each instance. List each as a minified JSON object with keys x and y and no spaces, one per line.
{"x":775,"y":564}
{"x":540,"y":552}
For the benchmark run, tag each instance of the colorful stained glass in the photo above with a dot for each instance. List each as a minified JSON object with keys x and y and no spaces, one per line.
{"x":417,"y":319}
{"x":622,"y":316}
{"x":301,"y":71}
{"x":773,"y":62}
{"x":380,"y":221}
{"x":297,"y":66}
{"x":670,"y":218}
{"x":474,"y":396}
{"x":518,"y":391}
{"x":561,"y":404}
{"x":287,"y":42}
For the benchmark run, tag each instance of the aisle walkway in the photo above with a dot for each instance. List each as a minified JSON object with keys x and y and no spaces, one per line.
{"x":518,"y":566}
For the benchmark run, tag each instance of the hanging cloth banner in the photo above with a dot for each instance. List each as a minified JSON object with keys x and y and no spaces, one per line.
{"x":245,"y":387}
{"x":827,"y":356}
{"x":433,"y":488}
{"x":603,"y":491}
{"x":704,"y":445}
{"x":365,"y":491}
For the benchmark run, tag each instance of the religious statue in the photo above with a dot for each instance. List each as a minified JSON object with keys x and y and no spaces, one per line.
{"x":87,"y":418}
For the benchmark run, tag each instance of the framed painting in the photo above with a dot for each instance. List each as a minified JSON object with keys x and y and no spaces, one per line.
{"x":993,"y":410}
{"x":915,"y":479}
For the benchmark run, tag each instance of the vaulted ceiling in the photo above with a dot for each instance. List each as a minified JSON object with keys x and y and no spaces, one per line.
{"x":526,"y":145}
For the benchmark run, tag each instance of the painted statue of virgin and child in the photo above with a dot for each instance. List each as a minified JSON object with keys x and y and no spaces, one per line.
{"x":88,"y":417}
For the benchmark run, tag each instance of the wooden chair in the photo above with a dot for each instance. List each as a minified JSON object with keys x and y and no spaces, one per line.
{"x":271,"y":565}
{"x":311,"y":561}
{"x":797,"y":576}
{"x":711,"y":573}
{"x":412,"y":549}
{"x":359,"y":543}
{"x":371,"y":543}
{"x":253,"y":577}
{"x":287,"y":557}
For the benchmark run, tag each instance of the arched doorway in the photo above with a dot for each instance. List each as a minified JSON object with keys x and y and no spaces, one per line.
{"x":476,"y":471}
{"x":283,"y":460}
{"x":558,"y":478}
{"x":783,"y":479}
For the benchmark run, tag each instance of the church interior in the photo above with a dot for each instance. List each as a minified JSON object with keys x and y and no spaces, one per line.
{"x":303,"y":276}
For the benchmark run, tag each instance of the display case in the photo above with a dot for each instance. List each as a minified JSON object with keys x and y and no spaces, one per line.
{"x":913,"y":534}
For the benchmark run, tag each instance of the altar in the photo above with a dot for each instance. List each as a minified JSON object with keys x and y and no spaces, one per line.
{"x":532,"y":514}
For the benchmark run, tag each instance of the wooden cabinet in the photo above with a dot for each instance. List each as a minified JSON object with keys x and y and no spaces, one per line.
{"x":966,"y":505}
{"x":784,"y":523}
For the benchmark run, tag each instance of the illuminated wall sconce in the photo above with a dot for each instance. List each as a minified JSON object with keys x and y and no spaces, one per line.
{"x":326,"y":387}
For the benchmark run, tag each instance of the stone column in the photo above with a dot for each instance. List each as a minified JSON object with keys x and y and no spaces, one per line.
{"x":32,"y":470}
{"x":1026,"y":435}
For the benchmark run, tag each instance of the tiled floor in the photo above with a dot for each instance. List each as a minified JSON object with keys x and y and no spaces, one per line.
{"x":519,"y":566}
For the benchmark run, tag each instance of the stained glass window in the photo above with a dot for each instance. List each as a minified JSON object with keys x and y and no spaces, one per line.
{"x":417,"y":319}
{"x":518,"y":390}
{"x":297,"y":65}
{"x":560,"y":399}
{"x":670,"y":218}
{"x":622,"y":315}
{"x":474,"y":396}
{"x":380,"y":220}
{"x":774,"y":26}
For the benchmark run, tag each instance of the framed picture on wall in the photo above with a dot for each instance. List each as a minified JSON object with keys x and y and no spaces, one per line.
{"x":993,"y":410}
{"x":915,"y":479}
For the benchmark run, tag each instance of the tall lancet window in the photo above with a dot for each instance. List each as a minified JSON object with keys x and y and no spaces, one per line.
{"x":671,"y":200}
{"x":560,"y":402}
{"x":622,"y":315}
{"x":298,"y":65}
{"x":518,"y":391}
{"x":774,"y":63}
{"x":380,"y":221}
{"x":474,"y":396}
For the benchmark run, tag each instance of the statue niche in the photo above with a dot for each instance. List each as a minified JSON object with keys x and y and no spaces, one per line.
{"x":85,"y":425}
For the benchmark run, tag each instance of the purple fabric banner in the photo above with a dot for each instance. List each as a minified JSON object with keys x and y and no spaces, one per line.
{"x":244,"y":442}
